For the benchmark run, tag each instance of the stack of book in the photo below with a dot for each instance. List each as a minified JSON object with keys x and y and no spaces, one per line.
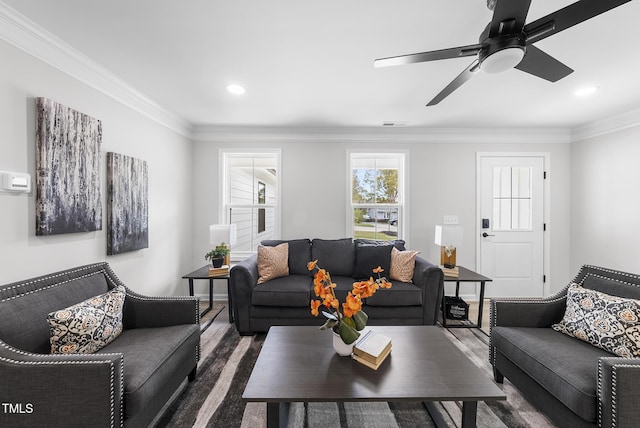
{"x":450,"y":272}
{"x":221,"y":271}
{"x":372,"y":349}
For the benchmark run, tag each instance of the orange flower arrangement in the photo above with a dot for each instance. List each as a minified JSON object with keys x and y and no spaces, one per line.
{"x":349,"y":319}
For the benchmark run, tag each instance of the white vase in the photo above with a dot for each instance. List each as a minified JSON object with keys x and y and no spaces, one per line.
{"x":340,"y":347}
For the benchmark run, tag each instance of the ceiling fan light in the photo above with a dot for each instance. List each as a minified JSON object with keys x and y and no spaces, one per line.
{"x":502,"y":60}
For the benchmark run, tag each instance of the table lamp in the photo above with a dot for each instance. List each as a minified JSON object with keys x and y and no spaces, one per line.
{"x":223,"y":234}
{"x":448,"y":237}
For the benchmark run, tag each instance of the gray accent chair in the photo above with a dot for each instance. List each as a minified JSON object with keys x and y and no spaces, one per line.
{"x":573,"y":382}
{"x":126,"y":383}
{"x":285,"y":300}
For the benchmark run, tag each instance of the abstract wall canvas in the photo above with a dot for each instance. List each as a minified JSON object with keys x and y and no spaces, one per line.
{"x":127,"y":204}
{"x":68,"y":197}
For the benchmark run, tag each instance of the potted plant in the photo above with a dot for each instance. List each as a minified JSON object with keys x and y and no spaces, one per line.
{"x":217,"y":255}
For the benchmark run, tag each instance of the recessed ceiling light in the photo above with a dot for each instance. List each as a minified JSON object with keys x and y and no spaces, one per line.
{"x":236,"y":89}
{"x":587,"y":90}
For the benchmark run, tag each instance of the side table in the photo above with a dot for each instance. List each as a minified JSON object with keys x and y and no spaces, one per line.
{"x":203,"y":273}
{"x":465,"y":275}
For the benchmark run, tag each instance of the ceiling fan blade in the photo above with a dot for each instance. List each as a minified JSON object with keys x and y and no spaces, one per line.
{"x":543,"y":65}
{"x":458,"y":52}
{"x":568,"y":17}
{"x":456,"y":83}
{"x":509,"y":17}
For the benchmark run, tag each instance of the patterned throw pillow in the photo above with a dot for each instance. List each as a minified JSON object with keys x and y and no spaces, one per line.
{"x":402,"y":265}
{"x":88,"y":326}
{"x":273,"y":262}
{"x":608,"y":322}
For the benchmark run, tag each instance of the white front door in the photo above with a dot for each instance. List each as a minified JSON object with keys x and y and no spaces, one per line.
{"x":511,"y":224}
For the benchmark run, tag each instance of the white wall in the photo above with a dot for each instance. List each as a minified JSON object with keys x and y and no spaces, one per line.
{"x":442,"y":180}
{"x":156,"y":270}
{"x":605,"y":176}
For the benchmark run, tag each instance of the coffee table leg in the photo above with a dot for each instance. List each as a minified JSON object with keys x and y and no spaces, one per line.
{"x":435,"y":414}
{"x":277,"y":415}
{"x":469,"y":411}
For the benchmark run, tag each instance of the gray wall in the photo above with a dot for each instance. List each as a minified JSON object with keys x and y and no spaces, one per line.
{"x":156,"y":270}
{"x":442,"y":180}
{"x":605,"y":198}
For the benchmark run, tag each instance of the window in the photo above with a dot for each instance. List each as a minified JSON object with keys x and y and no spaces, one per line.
{"x":262,"y":214}
{"x":250,"y":194}
{"x":512,"y":208}
{"x":377,"y":207}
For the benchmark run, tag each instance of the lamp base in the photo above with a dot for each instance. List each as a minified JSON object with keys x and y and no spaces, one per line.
{"x":448,"y":261}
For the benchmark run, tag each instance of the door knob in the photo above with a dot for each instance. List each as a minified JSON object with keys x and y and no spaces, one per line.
{"x":485,"y":234}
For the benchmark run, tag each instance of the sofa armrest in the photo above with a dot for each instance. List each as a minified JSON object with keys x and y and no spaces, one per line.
{"x":430,"y":279}
{"x":242,"y":279}
{"x":618,"y":392}
{"x":535,"y":312}
{"x":60,"y":390}
{"x":147,"y":312}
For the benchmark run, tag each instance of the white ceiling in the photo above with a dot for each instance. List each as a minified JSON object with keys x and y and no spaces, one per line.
{"x":310,"y":63}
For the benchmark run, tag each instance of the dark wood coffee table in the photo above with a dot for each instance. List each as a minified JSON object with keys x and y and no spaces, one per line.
{"x":298,"y":364}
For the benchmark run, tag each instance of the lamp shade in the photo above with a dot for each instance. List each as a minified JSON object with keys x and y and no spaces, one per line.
{"x":219,"y":233}
{"x":448,"y":236}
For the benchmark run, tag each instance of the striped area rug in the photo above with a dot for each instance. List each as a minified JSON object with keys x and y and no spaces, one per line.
{"x":215,"y":398}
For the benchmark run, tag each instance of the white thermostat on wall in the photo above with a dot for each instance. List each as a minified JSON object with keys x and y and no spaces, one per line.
{"x":16,"y":182}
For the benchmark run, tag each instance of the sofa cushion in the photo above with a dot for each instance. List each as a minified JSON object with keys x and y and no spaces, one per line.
{"x":344,"y":284}
{"x":337,"y":256}
{"x":88,"y":326}
{"x":151,"y":356}
{"x":402,"y":266}
{"x":400,"y":294}
{"x":292,"y":290}
{"x":608,"y":322}
{"x":273,"y":262}
{"x":299,"y":254}
{"x":567,"y":368}
{"x":369,"y":257}
{"x":24,"y":306}
{"x":398,"y":243}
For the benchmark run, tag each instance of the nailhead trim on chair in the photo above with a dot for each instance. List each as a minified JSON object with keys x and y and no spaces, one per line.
{"x":614,"y":387}
{"x":537,"y":300}
{"x":48,"y":287}
{"x":114,"y":280}
{"x":84,"y":362}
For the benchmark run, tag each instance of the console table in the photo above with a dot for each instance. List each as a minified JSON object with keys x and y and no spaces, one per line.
{"x":465,"y":275}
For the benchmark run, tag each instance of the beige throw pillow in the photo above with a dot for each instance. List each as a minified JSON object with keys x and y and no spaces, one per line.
{"x":273,"y":262}
{"x":402,"y":265}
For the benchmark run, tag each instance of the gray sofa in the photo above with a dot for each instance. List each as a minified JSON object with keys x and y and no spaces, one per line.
{"x":573,"y":382}
{"x":125,"y":383}
{"x":285,"y":300}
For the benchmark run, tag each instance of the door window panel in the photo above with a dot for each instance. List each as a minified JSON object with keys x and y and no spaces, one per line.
{"x":512,"y":198}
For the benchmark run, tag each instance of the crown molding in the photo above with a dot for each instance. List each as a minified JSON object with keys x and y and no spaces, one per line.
{"x":606,"y":126}
{"x":232,"y":134}
{"x":26,"y":35}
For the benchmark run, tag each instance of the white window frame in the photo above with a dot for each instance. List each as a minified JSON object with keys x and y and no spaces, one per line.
{"x":403,"y":189}
{"x":224,"y":207}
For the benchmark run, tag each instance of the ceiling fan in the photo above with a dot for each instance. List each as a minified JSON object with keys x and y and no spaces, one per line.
{"x":507,"y":42}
